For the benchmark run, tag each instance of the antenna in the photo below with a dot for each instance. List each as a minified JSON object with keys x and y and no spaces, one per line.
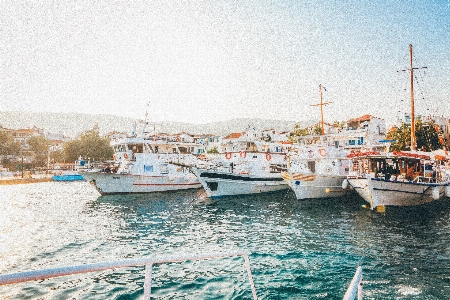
{"x":145,"y":121}
{"x":146,"y":113}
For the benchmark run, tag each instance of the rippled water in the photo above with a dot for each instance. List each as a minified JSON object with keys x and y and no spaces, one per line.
{"x":298,"y":249}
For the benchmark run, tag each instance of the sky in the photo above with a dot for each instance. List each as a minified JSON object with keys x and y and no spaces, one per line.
{"x":201,"y":61}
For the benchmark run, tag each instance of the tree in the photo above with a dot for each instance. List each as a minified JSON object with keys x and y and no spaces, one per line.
{"x":39,"y":146}
{"x":267,"y":138}
{"x":56,"y":156}
{"x":88,"y":145}
{"x":427,"y":136}
{"x":339,"y":125}
{"x":213,"y":150}
{"x":299,"y":131}
{"x":8,"y":146}
{"x":317,"y":129}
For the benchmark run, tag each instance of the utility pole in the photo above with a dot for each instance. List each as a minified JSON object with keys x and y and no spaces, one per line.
{"x":48,"y":160}
{"x":321,"y":104}
{"x":22,"y":164}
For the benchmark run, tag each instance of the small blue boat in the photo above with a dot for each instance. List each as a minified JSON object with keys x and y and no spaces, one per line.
{"x":67,"y":177}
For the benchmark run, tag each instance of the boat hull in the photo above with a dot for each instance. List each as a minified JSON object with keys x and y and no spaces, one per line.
{"x":217,"y":184}
{"x":71,"y":177}
{"x":318,"y":187}
{"x":379,"y":192}
{"x":127,"y":184}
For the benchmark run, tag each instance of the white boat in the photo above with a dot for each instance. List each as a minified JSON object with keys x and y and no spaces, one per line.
{"x":404,"y":178}
{"x":239,"y":173}
{"x":245,"y":165}
{"x":145,"y":165}
{"x":318,"y":165}
{"x":400,"y":178}
{"x":317,"y":172}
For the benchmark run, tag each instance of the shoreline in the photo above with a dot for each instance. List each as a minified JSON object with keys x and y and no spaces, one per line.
{"x":12,"y":180}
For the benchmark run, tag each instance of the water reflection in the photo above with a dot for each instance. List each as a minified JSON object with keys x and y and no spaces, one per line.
{"x":298,"y":249}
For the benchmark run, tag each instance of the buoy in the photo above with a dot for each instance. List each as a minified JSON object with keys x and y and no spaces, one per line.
{"x":363,"y":206}
{"x":345,"y":184}
{"x":381,"y":208}
{"x":435,"y":193}
{"x":447,"y":191}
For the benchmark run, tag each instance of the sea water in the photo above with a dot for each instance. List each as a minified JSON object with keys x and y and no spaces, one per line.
{"x":307,"y":249}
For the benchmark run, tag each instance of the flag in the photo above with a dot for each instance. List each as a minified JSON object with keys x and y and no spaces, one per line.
{"x":324,"y":88}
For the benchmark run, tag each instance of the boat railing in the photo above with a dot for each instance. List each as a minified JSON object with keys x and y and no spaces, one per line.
{"x":355,"y":287}
{"x":148,"y":262}
{"x":425,"y":179}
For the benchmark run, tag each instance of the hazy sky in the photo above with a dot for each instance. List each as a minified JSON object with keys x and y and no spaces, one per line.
{"x":201,"y":61}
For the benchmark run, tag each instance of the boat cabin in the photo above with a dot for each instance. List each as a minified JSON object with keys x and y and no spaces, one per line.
{"x":399,"y":167}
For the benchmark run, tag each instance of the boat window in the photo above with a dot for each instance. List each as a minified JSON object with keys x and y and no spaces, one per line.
{"x":164,"y":169}
{"x":312,"y":166}
{"x":148,"y":169}
{"x":212,"y":185}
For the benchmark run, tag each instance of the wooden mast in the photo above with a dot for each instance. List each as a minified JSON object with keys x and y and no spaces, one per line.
{"x":321,"y":104}
{"x":411,"y":79}
{"x":411,"y":85}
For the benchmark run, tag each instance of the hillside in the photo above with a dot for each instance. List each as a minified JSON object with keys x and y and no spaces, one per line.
{"x":72,"y":124}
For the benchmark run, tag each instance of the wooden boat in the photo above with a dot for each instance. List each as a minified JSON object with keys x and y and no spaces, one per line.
{"x":402,"y":178}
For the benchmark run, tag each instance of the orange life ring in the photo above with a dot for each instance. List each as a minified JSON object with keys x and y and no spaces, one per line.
{"x":322,"y":152}
{"x":228,"y":155}
{"x":125,"y":155}
{"x":268,"y":156}
{"x":243,"y":154}
{"x":154,"y":137}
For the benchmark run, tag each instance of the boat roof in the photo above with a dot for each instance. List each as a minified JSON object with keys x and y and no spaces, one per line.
{"x":419,"y":155}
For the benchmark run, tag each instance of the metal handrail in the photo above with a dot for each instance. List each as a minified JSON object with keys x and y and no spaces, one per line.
{"x":145,"y":261}
{"x":355,"y":287}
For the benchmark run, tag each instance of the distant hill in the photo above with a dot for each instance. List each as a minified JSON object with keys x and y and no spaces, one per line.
{"x":72,"y":124}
